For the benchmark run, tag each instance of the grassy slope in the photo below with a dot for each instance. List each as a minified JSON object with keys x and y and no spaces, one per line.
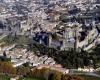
{"x":4,"y":77}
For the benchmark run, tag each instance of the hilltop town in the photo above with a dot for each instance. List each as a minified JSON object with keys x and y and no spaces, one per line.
{"x":49,"y":33}
{"x":71,"y":21}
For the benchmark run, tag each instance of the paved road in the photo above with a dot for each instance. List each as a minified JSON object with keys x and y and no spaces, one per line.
{"x":88,"y":74}
{"x":84,"y":73}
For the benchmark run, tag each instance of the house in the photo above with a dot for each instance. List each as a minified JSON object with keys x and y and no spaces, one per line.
{"x":18,"y":63}
{"x":86,"y":69}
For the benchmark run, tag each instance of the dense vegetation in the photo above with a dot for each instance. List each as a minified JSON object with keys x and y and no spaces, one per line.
{"x":96,"y":55}
{"x":69,"y":59}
